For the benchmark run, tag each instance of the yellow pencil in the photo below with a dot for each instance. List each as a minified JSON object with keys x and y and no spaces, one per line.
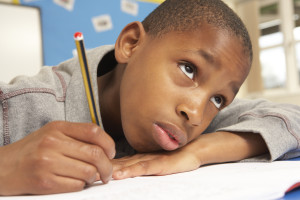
{"x":78,"y":37}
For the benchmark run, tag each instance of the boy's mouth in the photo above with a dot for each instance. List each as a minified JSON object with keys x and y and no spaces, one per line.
{"x":168,"y":136}
{"x":171,"y":136}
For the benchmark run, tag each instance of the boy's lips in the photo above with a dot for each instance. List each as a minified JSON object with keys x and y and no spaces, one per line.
{"x":168,"y":136}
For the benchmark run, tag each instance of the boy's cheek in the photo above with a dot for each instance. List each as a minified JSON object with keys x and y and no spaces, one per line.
{"x":200,"y":130}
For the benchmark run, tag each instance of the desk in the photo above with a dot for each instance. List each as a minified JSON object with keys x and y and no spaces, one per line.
{"x":294,"y":194}
{"x":222,"y":181}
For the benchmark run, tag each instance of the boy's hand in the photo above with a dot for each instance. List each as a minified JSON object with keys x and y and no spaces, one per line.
{"x":217,"y":147}
{"x":160,"y":163}
{"x":59,"y":157}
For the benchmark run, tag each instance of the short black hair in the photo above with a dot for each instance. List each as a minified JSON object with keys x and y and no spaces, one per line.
{"x":184,"y":15}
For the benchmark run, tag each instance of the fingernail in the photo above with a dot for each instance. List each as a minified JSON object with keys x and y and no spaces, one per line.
{"x":112,"y":155}
{"x":108,"y":179}
{"x":97,"y":177}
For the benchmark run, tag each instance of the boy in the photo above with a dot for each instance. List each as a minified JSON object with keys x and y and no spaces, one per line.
{"x":159,"y":89}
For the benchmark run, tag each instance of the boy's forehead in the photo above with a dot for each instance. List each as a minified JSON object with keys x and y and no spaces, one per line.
{"x":210,"y":43}
{"x":206,"y":33}
{"x":207,"y":41}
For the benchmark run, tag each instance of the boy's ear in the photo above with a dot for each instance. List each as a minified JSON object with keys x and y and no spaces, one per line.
{"x":128,"y":41}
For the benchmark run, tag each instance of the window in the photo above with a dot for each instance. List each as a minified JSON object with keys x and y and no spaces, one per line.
{"x":274,"y":27}
{"x":297,"y":33}
{"x":272,"y":55}
{"x":279,"y":42}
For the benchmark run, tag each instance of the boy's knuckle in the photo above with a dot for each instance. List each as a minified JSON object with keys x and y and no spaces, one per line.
{"x":89,"y":171}
{"x":48,"y":141}
{"x":92,"y":130}
{"x":45,"y":184}
{"x":42,"y":162}
{"x":96,"y":153}
{"x":78,"y":185}
{"x":144,"y":165}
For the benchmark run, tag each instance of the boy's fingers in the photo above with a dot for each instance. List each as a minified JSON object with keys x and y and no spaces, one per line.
{"x":131,"y":160}
{"x":154,"y":164}
{"x":141,"y":168}
{"x":58,"y":184}
{"x":88,"y":132}
{"x":75,"y":169}
{"x":90,"y":154}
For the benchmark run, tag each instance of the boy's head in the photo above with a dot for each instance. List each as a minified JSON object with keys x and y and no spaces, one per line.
{"x":177,"y":70}
{"x":178,"y":15}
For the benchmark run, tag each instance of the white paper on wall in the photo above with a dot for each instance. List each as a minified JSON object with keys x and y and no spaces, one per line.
{"x":102,"y":23}
{"x":130,"y":7}
{"x":66,"y":4}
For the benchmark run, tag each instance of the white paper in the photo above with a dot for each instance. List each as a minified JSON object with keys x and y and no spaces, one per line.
{"x":102,"y":23}
{"x":66,"y":4}
{"x":224,"y":181}
{"x":130,"y":7}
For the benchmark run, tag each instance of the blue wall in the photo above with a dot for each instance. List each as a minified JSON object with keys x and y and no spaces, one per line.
{"x":60,"y":22}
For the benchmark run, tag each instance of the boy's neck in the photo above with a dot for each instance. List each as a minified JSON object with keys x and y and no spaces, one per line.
{"x":109,"y":101}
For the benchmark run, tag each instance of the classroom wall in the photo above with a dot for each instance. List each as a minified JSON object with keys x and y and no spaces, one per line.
{"x":99,"y":20}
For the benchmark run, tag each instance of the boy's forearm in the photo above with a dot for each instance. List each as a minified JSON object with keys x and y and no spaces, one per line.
{"x":208,"y":148}
{"x":221,"y":147}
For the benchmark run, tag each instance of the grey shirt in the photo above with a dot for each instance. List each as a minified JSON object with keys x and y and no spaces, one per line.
{"x":57,"y":93}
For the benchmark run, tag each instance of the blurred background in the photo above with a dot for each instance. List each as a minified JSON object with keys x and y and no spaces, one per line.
{"x":37,"y":33}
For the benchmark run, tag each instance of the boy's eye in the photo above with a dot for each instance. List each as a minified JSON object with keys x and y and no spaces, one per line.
{"x":187,"y":69}
{"x":218,"y":101}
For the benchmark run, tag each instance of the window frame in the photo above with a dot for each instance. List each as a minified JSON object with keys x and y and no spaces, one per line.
{"x":286,"y":14}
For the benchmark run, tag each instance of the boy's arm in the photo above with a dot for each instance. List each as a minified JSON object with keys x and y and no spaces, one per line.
{"x":210,"y":148}
{"x":253,"y":129}
{"x":277,"y":124}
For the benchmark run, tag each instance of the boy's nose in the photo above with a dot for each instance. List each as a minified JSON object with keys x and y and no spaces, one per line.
{"x":192,"y":112}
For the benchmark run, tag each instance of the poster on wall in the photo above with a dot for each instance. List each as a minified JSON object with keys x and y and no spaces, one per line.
{"x":99,"y":21}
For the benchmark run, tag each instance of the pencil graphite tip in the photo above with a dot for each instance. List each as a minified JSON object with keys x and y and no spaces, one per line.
{"x":78,"y":36}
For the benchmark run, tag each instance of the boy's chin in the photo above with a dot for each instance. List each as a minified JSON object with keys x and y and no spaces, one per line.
{"x":146,"y":149}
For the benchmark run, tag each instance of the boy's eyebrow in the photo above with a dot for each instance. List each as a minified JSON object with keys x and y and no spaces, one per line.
{"x":235,"y":89}
{"x":207,"y":56}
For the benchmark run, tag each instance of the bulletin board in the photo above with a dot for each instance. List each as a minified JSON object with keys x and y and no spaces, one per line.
{"x":100,"y":21}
